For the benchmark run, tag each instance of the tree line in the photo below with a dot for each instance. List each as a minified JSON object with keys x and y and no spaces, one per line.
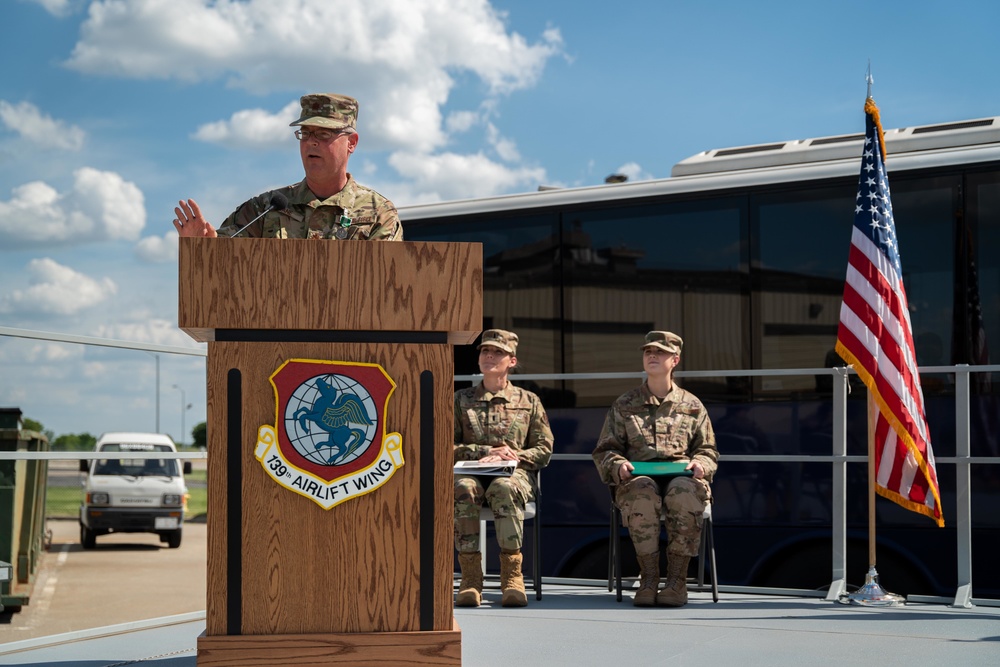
{"x":84,"y":442}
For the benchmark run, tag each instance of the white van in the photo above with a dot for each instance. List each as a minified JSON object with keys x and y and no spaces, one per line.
{"x":133,"y":495}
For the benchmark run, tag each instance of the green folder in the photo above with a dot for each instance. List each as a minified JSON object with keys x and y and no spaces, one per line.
{"x":661,"y":468}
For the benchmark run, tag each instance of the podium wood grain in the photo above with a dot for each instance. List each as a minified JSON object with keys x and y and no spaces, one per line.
{"x":298,"y":284}
{"x":399,"y":649}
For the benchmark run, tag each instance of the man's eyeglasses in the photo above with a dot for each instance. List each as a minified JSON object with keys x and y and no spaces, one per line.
{"x":319,"y":135}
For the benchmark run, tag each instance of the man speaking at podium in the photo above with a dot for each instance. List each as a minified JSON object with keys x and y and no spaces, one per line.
{"x":327,"y":204}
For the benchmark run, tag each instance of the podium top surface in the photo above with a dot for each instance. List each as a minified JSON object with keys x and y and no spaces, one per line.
{"x":299,"y":284}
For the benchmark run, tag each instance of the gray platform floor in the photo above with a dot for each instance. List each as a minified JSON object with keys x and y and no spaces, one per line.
{"x":575,"y":625}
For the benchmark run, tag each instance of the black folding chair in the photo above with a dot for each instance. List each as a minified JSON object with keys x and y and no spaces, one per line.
{"x":706,"y":552}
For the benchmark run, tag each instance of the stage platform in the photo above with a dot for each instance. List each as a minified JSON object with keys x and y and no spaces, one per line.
{"x":584,"y":625}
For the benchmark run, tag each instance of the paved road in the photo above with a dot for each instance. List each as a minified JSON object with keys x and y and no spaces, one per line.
{"x":128,"y":577}
{"x":65,"y":473}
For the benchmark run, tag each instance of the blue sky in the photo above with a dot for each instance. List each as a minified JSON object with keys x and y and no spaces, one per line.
{"x":112,"y":110}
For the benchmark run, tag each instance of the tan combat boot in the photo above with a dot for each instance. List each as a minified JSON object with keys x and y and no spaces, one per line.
{"x":511,"y":580}
{"x":674,"y":592}
{"x":470,"y":590}
{"x":649,"y":580}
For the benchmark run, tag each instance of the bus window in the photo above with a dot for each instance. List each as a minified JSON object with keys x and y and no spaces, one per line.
{"x":979,"y":281}
{"x":926,"y":211}
{"x":520,"y":285}
{"x":627,"y":270}
{"x":797,"y":307}
{"x":800,"y":240}
{"x":982,"y":277}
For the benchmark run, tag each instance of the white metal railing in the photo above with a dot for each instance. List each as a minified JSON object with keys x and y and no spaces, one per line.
{"x":102,"y":342}
{"x":838,"y":459}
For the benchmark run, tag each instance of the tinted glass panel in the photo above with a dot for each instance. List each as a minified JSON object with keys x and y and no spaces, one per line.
{"x":801,"y":245}
{"x":803,"y":241}
{"x":520,"y":289}
{"x":984,"y":272}
{"x":925,"y":210}
{"x":982,"y":285}
{"x":675,"y":266}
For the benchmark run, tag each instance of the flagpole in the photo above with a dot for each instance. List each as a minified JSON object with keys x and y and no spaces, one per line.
{"x":872,"y":594}
{"x":872,"y":407}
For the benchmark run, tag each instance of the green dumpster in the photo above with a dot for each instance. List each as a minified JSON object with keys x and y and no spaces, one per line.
{"x":22,"y":508}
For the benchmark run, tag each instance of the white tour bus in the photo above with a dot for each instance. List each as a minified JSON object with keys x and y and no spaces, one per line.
{"x":743,"y":252}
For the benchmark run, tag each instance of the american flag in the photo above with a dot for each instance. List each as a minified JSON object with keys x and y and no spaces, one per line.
{"x":876,"y":338}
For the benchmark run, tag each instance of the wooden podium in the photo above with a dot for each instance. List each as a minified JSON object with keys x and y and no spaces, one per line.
{"x":369,"y":580}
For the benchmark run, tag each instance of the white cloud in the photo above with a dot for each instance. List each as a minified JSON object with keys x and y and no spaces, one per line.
{"x":158,"y":249}
{"x":252,"y":128}
{"x":462,"y":121}
{"x":452,"y":176}
{"x":140,"y":328}
{"x":41,"y":353}
{"x":116,"y":204}
{"x":396,"y":56}
{"x":57,"y":7}
{"x":505,"y":148}
{"x":26,"y":119}
{"x":48,"y":353}
{"x":634,"y":172}
{"x":56,"y":290}
{"x":101,"y":206}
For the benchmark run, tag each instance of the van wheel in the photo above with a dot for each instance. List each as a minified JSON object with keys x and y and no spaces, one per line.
{"x":174,"y":539}
{"x":88,"y":538}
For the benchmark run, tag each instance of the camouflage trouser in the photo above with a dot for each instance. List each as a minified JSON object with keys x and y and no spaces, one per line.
{"x":506,"y":496}
{"x":682,"y":504}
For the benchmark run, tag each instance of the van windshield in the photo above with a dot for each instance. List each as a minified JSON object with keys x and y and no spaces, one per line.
{"x":136,"y":467}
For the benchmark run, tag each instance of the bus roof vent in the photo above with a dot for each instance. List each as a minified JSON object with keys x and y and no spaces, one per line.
{"x":749,"y":149}
{"x":826,"y":141}
{"x":985,"y":122}
{"x":841,"y":147}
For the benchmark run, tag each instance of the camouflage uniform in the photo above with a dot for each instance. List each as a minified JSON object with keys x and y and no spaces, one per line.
{"x":356,"y":212}
{"x":641,"y":427}
{"x":513,"y":417}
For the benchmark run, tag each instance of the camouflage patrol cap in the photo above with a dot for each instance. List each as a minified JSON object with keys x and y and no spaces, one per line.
{"x":336,"y":112}
{"x":665,"y":340}
{"x":504,"y":340}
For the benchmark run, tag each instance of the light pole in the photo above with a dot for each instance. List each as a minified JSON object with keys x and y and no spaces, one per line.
{"x":184,"y":408}
{"x":157,"y":357}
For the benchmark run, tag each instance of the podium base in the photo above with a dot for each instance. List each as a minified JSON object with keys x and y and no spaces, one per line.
{"x":403,"y":649}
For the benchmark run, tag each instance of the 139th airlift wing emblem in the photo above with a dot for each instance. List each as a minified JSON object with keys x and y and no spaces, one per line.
{"x":328,"y":442}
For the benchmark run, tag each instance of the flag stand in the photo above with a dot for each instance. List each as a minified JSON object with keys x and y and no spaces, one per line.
{"x":872,"y":594}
